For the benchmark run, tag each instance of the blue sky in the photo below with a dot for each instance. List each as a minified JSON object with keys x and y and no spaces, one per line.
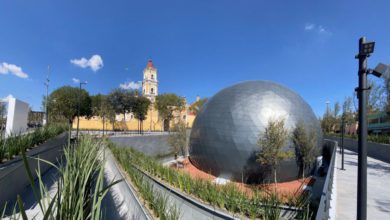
{"x":199,"y":47}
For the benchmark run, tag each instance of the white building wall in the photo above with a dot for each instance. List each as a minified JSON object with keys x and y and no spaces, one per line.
{"x":16,"y":116}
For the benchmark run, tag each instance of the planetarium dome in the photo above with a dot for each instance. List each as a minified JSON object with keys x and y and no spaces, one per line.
{"x":225,"y":132}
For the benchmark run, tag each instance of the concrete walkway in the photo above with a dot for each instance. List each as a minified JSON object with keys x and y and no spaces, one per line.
{"x":378,"y":191}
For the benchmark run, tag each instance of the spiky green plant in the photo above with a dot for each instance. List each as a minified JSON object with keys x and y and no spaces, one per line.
{"x":173,"y":213}
{"x":17,"y":143}
{"x":271,"y":210}
{"x":259,"y":205}
{"x":80,"y":189}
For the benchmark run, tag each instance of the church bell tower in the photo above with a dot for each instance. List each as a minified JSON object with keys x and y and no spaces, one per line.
{"x":150,"y":83}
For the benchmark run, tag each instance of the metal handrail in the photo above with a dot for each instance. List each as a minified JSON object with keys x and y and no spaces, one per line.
{"x":323,"y":209}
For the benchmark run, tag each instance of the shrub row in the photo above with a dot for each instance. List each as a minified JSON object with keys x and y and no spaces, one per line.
{"x":15,"y":144}
{"x":80,"y":187}
{"x":383,"y":139}
{"x":156,"y":201}
{"x":261,"y":204}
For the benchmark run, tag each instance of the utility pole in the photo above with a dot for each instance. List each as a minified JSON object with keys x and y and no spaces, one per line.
{"x":47,"y":95}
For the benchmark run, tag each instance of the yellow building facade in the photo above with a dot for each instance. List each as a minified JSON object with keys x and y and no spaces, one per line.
{"x":127,"y":122}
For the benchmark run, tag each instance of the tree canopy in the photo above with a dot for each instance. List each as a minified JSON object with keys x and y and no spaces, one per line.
{"x":271,"y":145}
{"x":305,"y":143}
{"x":140,"y":110}
{"x":102,"y":107}
{"x":64,"y":101}
{"x":168,"y":103}
{"x":122,"y":100}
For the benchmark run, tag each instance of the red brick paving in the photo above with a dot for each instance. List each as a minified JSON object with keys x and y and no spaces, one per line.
{"x":285,"y":188}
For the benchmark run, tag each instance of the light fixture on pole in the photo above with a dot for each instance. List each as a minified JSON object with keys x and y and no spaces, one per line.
{"x":78,"y":110}
{"x":365,"y":50}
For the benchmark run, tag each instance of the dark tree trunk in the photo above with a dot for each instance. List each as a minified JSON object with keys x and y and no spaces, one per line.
{"x":104,"y":122}
{"x":124,"y":120}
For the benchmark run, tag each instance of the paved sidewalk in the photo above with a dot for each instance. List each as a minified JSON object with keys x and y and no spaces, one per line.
{"x":378,"y":190}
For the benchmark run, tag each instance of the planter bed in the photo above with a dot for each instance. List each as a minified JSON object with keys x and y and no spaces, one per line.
{"x":223,"y":198}
{"x":13,"y":177}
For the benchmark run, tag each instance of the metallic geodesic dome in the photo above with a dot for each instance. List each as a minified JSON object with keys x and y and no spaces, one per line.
{"x":225,"y":132}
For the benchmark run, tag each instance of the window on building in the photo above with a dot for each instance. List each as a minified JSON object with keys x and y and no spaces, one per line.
{"x":152,"y":76}
{"x":373,"y":121}
{"x":152,"y":90}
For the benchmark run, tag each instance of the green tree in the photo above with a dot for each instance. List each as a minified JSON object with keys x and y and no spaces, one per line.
{"x":347,"y":115}
{"x":376,"y":96}
{"x":386,"y":86}
{"x":305,"y":143}
{"x":116,"y":98}
{"x":102,"y":107}
{"x":331,"y":119}
{"x":96,"y":104}
{"x":271,"y":145}
{"x":166,"y":104}
{"x":140,"y":110}
{"x":196,"y":106}
{"x":327,"y":123}
{"x":336,"y":115}
{"x":336,"y":110}
{"x":63,"y":104}
{"x":122,"y":101}
{"x":178,"y":138}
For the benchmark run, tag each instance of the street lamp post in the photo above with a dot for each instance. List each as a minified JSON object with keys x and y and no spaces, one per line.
{"x":365,"y":50}
{"x":342,"y":140}
{"x":78,"y":111}
{"x":46,"y":119}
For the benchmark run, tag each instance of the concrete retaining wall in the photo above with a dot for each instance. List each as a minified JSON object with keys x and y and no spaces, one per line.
{"x":121,"y":202}
{"x":13,"y":176}
{"x":374,"y":150}
{"x":151,"y":145}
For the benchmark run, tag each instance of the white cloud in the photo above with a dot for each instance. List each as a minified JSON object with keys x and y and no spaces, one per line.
{"x":75,"y":80}
{"x":321,"y":29}
{"x":6,"y":68}
{"x":309,"y":27}
{"x":95,"y":62}
{"x":131,"y":85}
{"x":317,"y":28}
